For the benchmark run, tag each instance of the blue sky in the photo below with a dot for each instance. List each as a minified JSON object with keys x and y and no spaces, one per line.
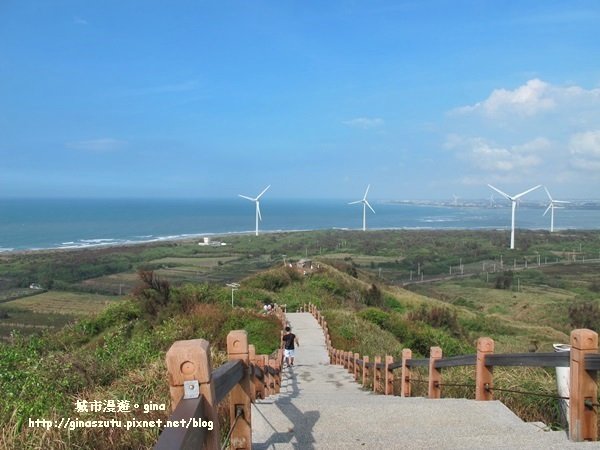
{"x":421,"y":99}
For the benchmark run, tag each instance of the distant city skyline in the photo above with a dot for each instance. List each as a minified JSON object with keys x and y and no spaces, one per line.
{"x":421,"y":100}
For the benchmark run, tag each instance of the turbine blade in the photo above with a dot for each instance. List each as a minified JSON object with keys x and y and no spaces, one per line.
{"x":528,"y":191}
{"x":354,"y":203}
{"x":258,"y":210}
{"x":504,"y":194}
{"x":247,"y":198}
{"x":547,"y":209}
{"x":264,"y":190}
{"x":549,"y":196}
{"x":367,"y":203}
{"x":366,"y":192}
{"x":560,"y":201}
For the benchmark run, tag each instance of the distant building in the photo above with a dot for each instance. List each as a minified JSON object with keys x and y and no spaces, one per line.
{"x":35,"y":286}
{"x":207,"y":240}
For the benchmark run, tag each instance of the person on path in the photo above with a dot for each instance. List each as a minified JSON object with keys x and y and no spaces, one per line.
{"x":290,"y":340}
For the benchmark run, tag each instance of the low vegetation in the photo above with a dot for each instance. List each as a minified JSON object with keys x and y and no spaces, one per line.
{"x":99,"y":328}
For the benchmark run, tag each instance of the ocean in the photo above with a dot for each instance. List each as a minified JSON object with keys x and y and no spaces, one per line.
{"x":28,"y":224}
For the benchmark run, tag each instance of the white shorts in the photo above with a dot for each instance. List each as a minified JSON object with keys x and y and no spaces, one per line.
{"x":288,"y":353}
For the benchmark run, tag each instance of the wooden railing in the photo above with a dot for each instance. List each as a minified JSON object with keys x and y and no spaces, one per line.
{"x":583,"y":361}
{"x":196,"y":391}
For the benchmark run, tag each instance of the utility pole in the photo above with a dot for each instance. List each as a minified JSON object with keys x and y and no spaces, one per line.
{"x":411,"y":275}
{"x":418,"y":268}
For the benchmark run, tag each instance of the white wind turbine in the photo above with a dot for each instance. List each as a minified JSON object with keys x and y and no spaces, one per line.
{"x":257,"y":201}
{"x":551,"y":207}
{"x":365,"y":203}
{"x":513,"y":199}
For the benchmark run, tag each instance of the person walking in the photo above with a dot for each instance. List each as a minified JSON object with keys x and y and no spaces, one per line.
{"x":290,"y":341}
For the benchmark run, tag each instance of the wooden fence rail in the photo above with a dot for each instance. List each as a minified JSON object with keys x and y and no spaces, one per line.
{"x":196,"y":391}
{"x":583,"y":361}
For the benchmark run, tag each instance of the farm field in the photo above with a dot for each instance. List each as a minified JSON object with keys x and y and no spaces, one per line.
{"x":49,"y":310}
{"x":534,"y":311}
{"x":59,"y":302}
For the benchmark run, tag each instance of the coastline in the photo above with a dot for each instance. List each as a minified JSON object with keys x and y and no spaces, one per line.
{"x":192,"y":238}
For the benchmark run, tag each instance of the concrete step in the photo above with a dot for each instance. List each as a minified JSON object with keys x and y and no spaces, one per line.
{"x":321,"y":407}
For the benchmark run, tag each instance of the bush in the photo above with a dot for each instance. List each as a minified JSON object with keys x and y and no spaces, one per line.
{"x":438,"y":317}
{"x":375,"y":316}
{"x":585,"y":315}
{"x":505,"y":280}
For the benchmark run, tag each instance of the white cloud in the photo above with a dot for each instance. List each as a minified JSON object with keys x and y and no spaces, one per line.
{"x":102,"y":145}
{"x":538,"y":131}
{"x":80,"y":21}
{"x":491,"y":157}
{"x":585,"y":151}
{"x":365,"y":122}
{"x":533,"y":98}
{"x":526,"y":100}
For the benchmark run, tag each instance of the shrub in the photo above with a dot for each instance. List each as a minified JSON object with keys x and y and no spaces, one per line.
{"x":438,"y":317}
{"x":504,"y":280}
{"x":585,"y":315}
{"x":375,"y":316}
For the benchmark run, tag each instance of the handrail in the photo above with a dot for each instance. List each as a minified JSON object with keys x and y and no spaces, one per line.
{"x":244,"y":378}
{"x":226,"y":377}
{"x":417,"y":362}
{"x":592,"y":361}
{"x":550,"y":359}
{"x":456,"y":361}
{"x":184,"y":437}
{"x":583,"y":360}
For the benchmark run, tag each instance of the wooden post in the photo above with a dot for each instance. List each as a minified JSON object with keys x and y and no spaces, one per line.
{"x":484,"y":377}
{"x":356,"y":366}
{"x":365,"y":371}
{"x":252,"y":361}
{"x":376,"y":375}
{"x":435,"y":375}
{"x":276,"y":383}
{"x":389,"y":376}
{"x":239,"y":397}
{"x":583,"y":425}
{"x":268,"y":378}
{"x":188,"y":361}
{"x":405,"y":382}
{"x":260,"y":384}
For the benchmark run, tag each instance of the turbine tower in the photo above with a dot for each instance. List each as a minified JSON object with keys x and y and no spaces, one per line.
{"x":551,"y":207}
{"x":257,"y":201}
{"x":365,"y":203}
{"x":513,"y":199}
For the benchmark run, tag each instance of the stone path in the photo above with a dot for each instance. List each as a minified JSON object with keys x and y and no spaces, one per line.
{"x":321,"y":407}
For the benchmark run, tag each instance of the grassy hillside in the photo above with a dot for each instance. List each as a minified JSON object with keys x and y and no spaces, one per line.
{"x":115,"y":356}
{"x":357,"y":280}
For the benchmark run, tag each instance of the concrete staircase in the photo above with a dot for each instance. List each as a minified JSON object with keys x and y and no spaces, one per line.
{"x":321,"y":407}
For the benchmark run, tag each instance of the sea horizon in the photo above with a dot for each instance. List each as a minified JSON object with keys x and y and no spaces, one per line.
{"x":71,"y":223}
